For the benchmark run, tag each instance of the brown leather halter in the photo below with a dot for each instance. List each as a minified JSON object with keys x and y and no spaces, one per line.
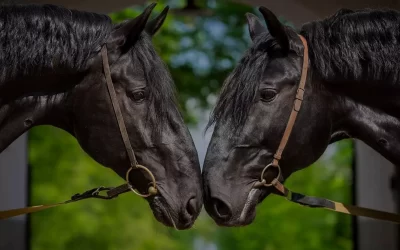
{"x":301,"y":199}
{"x":95,"y":193}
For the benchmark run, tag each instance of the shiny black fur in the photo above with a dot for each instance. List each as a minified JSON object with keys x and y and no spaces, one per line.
{"x":352,"y":91}
{"x":48,"y":39}
{"x":52,"y":74}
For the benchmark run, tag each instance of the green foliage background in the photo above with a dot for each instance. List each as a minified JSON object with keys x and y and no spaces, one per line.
{"x":59,"y":168}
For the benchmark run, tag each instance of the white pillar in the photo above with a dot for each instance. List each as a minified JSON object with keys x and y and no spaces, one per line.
{"x":14,"y":194}
{"x":373,"y":175}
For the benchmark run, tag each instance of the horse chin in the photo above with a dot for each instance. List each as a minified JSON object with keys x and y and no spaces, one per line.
{"x":161,"y":211}
{"x":248,"y":213}
{"x":164,"y":214}
{"x":255,"y":197}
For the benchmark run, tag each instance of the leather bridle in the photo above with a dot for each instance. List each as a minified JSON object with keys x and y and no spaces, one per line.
{"x":289,"y":126}
{"x":125,"y":137}
{"x":110,"y":192}
{"x":315,"y":202}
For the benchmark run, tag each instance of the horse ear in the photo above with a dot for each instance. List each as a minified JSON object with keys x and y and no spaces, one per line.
{"x":125,"y":36}
{"x":154,"y":25}
{"x":255,"y":26}
{"x":276,"y":28}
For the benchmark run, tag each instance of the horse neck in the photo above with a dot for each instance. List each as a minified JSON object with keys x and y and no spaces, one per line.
{"x":32,"y":101}
{"x":45,"y":52}
{"x":369,"y":111}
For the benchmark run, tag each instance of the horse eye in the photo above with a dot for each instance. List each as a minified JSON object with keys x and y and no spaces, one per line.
{"x":267,"y":95}
{"x":139,"y":96}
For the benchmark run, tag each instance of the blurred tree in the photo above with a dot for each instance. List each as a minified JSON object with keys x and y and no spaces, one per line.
{"x":200,"y":52}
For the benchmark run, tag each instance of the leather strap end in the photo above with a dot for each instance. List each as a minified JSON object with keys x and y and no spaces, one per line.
{"x":118,"y":190}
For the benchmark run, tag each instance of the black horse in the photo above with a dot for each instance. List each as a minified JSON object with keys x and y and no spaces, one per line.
{"x":351,"y":91}
{"x":52,"y":73}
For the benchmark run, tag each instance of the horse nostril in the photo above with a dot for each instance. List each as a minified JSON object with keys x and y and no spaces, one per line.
{"x":191,"y":207}
{"x":222,"y":210}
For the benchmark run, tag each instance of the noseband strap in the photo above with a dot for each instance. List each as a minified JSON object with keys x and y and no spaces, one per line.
{"x":111,"y":193}
{"x":309,"y":201}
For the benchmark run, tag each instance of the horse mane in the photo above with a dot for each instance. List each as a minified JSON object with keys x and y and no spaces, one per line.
{"x":239,"y":90}
{"x":43,"y":38}
{"x":40,"y":39}
{"x":360,"y":45}
{"x":351,"y":45}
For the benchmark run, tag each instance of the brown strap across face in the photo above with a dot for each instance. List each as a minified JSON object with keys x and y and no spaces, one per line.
{"x":124,"y":133}
{"x":296,"y":106}
{"x":117,"y":110}
{"x":309,"y":201}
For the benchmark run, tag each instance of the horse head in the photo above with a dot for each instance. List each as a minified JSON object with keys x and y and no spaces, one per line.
{"x":250,"y":119}
{"x":57,"y":77}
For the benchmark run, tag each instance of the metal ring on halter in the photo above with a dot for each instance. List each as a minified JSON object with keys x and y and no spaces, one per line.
{"x":275,"y":179}
{"x":152,"y":189}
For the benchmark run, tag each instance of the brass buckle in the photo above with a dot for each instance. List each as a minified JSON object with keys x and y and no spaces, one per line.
{"x":152,"y":189}
{"x":276,"y":179}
